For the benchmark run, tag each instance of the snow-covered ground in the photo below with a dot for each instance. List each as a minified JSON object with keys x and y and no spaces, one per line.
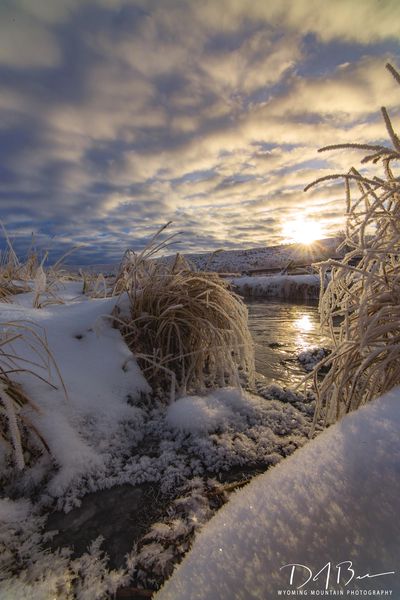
{"x":102,"y":430}
{"x":81,"y":415}
{"x":324,"y":520}
{"x":333,"y":500}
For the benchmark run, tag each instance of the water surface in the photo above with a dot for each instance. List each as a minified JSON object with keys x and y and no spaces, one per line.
{"x":281,"y":330}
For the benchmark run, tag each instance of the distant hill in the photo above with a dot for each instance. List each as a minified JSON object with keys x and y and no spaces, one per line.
{"x":239,"y":261}
{"x":272,"y":257}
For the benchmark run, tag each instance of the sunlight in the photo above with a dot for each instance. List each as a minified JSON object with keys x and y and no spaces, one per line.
{"x":302,"y":231}
{"x":304,"y":323}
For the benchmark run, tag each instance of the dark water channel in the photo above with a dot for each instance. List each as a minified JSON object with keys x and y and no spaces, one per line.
{"x":281,"y":330}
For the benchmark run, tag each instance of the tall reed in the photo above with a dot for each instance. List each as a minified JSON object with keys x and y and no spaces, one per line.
{"x":361,"y":304}
{"x":17,"y":431}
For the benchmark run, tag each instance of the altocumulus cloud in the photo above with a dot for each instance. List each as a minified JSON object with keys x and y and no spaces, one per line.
{"x":119,"y":115}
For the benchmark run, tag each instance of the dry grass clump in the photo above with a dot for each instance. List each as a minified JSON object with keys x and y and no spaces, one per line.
{"x":12,"y":400}
{"x":30,"y":275}
{"x":95,"y":285}
{"x":186,"y":328}
{"x":11,"y":271}
{"x":17,"y":432}
{"x":361,"y":305}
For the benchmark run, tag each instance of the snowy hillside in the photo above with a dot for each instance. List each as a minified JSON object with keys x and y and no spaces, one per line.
{"x":272,"y":257}
{"x":239,"y":261}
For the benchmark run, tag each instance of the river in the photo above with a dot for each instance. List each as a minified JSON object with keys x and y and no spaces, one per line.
{"x":281,"y":330}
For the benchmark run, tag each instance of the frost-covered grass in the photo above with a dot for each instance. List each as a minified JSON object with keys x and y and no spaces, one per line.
{"x":364,"y":291}
{"x":32,"y":275}
{"x":187,"y":328}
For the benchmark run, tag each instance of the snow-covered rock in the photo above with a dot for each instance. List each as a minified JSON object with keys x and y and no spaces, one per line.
{"x":311,"y":357}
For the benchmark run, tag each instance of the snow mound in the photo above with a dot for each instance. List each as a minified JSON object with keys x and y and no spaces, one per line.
{"x":192,"y":414}
{"x":334,"y":500}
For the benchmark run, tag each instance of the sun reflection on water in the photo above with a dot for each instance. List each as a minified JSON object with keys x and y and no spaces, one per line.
{"x":304,"y":324}
{"x":281,"y":330}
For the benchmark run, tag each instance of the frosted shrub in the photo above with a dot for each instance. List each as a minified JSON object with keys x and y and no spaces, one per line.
{"x":364,"y":291}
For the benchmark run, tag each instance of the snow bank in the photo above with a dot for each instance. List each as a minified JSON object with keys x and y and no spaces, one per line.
{"x":98,"y":371}
{"x":334,"y":500}
{"x":289,"y":287}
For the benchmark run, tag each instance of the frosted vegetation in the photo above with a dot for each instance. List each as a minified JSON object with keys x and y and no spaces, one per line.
{"x":364,"y":290}
{"x":148,"y":377}
{"x":183,"y":324}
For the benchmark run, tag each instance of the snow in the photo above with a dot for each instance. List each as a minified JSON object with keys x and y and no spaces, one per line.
{"x":168,"y":540}
{"x":290,"y":287}
{"x":196,"y":414}
{"x":334,"y":500}
{"x":13,"y":511}
{"x":250,"y":429}
{"x":271,"y":257}
{"x":311,"y":357}
{"x":99,"y":374}
{"x":27,"y":570}
{"x":102,"y":432}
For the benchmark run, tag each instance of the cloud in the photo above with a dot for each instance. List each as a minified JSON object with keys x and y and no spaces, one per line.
{"x":349,"y":20}
{"x":353,"y":89}
{"x":117,"y":116}
{"x":258,"y":61}
{"x":26,"y":42}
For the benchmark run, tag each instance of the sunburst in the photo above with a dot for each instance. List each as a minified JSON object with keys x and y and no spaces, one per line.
{"x":302,"y":231}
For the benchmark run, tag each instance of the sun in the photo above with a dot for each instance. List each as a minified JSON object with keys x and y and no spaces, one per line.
{"x":302,"y":231}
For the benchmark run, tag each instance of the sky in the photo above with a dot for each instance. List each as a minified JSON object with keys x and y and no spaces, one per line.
{"x":117,"y":116}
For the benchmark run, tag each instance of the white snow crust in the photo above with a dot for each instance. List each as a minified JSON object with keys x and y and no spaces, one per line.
{"x":290,"y":287}
{"x":336,"y":499}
